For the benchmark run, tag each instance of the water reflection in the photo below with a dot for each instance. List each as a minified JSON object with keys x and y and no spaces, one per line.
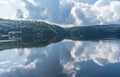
{"x":38,"y":49}
{"x":44,"y":58}
{"x":27,"y":42}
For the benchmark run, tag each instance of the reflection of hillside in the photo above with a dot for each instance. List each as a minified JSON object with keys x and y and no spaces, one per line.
{"x":29,"y":42}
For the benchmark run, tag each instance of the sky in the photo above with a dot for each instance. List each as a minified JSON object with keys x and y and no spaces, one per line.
{"x":63,"y":12}
{"x":88,"y":1}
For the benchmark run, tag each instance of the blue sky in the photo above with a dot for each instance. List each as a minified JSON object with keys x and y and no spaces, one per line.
{"x":88,"y":1}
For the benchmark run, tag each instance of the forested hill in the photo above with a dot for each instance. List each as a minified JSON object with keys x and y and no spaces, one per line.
{"x":95,"y":32}
{"x":29,"y":28}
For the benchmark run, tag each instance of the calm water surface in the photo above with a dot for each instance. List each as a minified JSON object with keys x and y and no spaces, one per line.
{"x":66,"y":58}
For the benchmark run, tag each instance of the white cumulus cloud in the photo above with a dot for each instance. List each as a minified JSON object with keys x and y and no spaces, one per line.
{"x":72,"y":11}
{"x":68,"y":12}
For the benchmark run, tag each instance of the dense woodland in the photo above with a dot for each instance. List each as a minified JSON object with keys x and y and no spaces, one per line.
{"x":96,"y":32}
{"x":30,"y":28}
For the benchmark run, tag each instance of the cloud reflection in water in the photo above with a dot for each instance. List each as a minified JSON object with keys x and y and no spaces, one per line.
{"x":63,"y":59}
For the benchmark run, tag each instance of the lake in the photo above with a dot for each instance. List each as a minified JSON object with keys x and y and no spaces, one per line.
{"x":61,"y":58}
{"x":40,"y":49}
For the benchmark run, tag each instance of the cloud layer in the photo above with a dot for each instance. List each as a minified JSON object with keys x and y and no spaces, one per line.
{"x":72,"y":11}
{"x":68,"y":12}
